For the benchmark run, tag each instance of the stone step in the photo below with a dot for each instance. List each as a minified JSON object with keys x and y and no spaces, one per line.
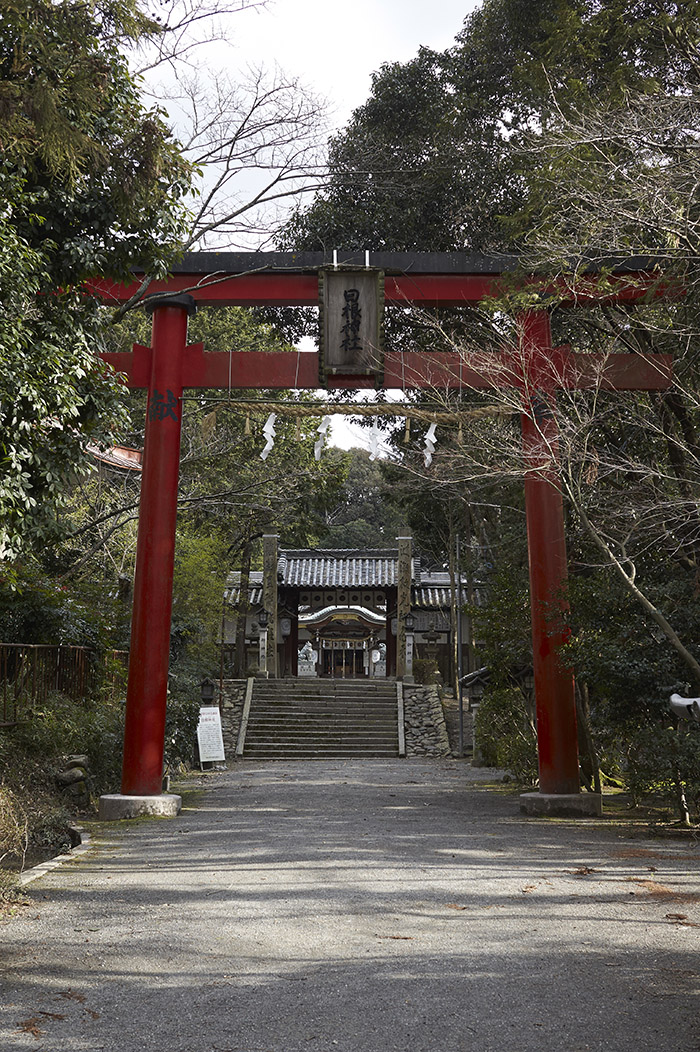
{"x":319,"y":681}
{"x":363,"y":695}
{"x":314,"y":746}
{"x":322,"y":719}
{"x":330,"y":712}
{"x":275,"y":734}
{"x":308,"y":727}
{"x":323,"y":711}
{"x":323,"y":684}
{"x":341,"y":695}
{"x":331,"y":753}
{"x":358,"y":695}
{"x":262,"y":734}
{"x":321,"y":722}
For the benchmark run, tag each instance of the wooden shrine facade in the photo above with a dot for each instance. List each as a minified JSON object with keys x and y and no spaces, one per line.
{"x":337,"y":614}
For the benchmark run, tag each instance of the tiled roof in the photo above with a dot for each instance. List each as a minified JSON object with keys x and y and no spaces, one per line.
{"x":118,"y":456}
{"x":427,"y":596}
{"x":339,"y":568}
{"x":232,"y":592}
{"x":349,"y":568}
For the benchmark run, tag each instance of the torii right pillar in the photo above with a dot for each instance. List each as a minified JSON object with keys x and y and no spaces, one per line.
{"x":557,"y":740}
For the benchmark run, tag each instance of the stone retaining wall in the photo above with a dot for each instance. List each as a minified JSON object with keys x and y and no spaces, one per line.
{"x":426,"y":732}
{"x":232,"y":700}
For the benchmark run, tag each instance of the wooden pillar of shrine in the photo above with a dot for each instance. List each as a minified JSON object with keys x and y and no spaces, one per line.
{"x":390,"y":637}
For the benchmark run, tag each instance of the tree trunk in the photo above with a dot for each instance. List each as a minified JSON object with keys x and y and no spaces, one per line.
{"x":453,"y":602}
{"x":589,"y":758}
{"x":241,"y":662}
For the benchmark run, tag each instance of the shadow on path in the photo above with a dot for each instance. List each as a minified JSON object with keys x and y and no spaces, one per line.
{"x":360,"y":906}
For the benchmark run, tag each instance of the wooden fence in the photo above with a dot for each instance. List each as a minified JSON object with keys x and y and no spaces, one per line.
{"x":29,"y":673}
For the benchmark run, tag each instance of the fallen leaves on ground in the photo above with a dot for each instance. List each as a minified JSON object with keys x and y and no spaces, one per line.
{"x":71,"y":995}
{"x":582,"y":871}
{"x":455,"y":906}
{"x":681,"y":920}
{"x":30,"y":1026}
{"x":661,"y":891}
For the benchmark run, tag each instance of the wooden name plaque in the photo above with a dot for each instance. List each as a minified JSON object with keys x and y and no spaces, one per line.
{"x":351,"y":315}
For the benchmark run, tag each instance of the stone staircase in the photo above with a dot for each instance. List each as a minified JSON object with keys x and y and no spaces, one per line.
{"x":321,"y":719}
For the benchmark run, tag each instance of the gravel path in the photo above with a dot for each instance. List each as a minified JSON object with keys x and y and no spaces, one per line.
{"x":358,"y":907}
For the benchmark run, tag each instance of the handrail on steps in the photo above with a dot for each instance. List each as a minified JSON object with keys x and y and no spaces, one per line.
{"x":240,"y":744}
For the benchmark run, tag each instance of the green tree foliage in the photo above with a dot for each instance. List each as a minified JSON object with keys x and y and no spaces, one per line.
{"x":54,"y":395}
{"x":91,"y":185}
{"x":100,"y":181}
{"x":368,"y":514}
{"x":431,"y":160}
{"x":506,"y":735}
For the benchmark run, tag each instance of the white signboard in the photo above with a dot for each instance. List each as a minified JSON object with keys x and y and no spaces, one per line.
{"x":209,"y":736}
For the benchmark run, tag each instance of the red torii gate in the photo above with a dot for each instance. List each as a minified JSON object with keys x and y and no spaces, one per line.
{"x":292,"y":279}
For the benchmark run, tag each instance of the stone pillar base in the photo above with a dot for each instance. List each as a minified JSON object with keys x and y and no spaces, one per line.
{"x":566,"y":805}
{"x":115,"y":806}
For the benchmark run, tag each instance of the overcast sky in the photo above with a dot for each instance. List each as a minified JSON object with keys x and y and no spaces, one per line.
{"x":335,"y":47}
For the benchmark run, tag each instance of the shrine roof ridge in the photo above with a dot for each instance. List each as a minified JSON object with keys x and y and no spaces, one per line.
{"x":389,"y":262}
{"x":339,"y":553}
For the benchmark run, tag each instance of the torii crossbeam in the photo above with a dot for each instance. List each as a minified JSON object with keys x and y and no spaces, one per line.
{"x":537,"y":368}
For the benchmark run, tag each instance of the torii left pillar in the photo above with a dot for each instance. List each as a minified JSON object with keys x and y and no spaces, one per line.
{"x":144,"y":731}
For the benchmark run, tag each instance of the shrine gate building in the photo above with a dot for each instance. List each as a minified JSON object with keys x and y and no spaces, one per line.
{"x":334,"y":613}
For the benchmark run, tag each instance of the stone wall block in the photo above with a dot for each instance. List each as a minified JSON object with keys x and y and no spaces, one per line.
{"x":232,"y":701}
{"x":426,"y":732}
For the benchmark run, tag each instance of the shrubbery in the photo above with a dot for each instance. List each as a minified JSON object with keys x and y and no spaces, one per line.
{"x":32,"y":754}
{"x":664,"y":761}
{"x":426,"y":671}
{"x":34,"y":814}
{"x":505,"y":734}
